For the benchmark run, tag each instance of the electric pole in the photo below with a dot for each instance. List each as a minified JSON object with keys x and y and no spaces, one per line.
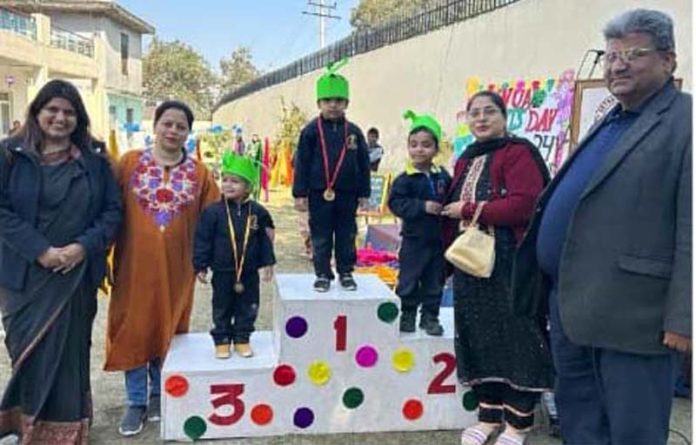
{"x":322,"y":10}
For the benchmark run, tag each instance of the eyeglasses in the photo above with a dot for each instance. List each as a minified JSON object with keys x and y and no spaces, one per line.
{"x":628,"y":55}
{"x":482,"y":112}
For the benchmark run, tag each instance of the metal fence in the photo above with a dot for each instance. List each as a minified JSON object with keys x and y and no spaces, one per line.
{"x":18,"y":24}
{"x":61,"y":38}
{"x":443,"y":13}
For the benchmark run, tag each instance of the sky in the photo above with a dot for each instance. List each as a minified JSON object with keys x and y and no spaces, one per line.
{"x":276,"y":30}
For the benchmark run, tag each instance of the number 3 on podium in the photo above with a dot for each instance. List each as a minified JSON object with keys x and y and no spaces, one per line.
{"x":229,"y":395}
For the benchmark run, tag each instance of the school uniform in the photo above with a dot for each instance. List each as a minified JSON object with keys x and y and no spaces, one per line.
{"x":332,"y":223}
{"x":234,"y":312}
{"x":421,"y":257}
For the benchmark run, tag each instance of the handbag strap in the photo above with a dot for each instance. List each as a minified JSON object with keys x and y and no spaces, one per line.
{"x":477,"y":215}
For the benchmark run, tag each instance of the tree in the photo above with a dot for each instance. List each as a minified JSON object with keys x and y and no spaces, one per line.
{"x":174,"y":70}
{"x":371,"y":13}
{"x":292,"y":120}
{"x":237,"y":70}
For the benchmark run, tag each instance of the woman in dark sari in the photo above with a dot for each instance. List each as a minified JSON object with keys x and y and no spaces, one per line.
{"x":59,"y":210}
{"x":502,"y":356}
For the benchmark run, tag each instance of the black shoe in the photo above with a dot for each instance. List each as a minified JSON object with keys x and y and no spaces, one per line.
{"x":154,"y":409}
{"x":407,"y":322}
{"x":132,"y":421}
{"x":347,"y":282}
{"x":554,"y":427}
{"x":322,"y":284}
{"x":431,"y":325}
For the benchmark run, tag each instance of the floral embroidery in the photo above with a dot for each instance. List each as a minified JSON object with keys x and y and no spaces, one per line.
{"x":160,"y":198}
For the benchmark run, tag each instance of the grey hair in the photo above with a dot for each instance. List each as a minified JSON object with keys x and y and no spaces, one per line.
{"x":656,"y":23}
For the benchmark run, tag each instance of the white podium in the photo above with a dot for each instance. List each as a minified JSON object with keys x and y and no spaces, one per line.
{"x":335,"y":362}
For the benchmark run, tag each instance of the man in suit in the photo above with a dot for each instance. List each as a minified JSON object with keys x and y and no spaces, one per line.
{"x":609,"y":248}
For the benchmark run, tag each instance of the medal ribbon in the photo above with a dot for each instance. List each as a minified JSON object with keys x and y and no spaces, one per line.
{"x":325,"y":154}
{"x":238,"y":262}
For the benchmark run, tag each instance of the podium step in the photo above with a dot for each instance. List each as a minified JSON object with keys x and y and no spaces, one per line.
{"x":334,"y":363}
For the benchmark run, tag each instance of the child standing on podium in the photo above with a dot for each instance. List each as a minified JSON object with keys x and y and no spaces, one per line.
{"x":332,"y":176}
{"x":234,"y":239}
{"x":416,"y":197}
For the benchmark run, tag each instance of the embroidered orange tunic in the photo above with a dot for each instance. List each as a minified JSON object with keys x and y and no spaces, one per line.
{"x":153,"y":274}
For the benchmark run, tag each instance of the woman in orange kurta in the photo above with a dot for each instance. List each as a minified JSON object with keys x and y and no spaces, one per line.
{"x":164,"y":190}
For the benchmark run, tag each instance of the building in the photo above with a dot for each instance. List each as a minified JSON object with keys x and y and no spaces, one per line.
{"x":96,"y":44}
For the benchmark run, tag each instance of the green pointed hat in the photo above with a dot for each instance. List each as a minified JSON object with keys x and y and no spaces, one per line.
{"x":233,"y":164}
{"x":332,"y":85}
{"x":424,"y":121}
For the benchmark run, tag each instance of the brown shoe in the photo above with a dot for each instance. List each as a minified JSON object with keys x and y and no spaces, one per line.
{"x":223,"y":351}
{"x":243,"y":349}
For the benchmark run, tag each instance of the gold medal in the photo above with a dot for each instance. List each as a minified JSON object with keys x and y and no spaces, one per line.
{"x":329,"y":195}
{"x":238,"y":256}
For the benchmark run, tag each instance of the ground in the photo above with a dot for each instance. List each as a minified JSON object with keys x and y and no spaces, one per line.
{"x":108,"y":390}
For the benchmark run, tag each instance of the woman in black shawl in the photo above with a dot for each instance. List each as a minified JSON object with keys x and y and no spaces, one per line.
{"x":504,"y":357}
{"x":59,"y":210}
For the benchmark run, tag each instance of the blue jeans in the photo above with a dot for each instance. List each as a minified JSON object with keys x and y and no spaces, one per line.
{"x":608,"y":397}
{"x":136,"y":383}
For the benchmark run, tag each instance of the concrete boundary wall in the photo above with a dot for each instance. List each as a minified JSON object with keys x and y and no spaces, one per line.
{"x":529,"y":39}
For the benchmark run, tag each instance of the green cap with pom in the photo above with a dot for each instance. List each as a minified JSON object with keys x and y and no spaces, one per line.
{"x":233,"y":164}
{"x":424,"y":121}
{"x":331,"y":85}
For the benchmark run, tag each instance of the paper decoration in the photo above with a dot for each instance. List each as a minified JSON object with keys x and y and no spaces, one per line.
{"x":403,"y":360}
{"x":366,"y":356}
{"x":319,"y":372}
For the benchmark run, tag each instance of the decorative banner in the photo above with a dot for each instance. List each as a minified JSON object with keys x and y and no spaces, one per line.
{"x":538,"y":110}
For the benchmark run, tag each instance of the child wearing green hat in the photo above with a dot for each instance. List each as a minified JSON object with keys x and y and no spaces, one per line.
{"x":416,"y":197}
{"x":332,"y":177}
{"x":234,"y":239}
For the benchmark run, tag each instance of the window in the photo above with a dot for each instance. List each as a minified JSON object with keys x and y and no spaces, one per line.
{"x":112,"y":116}
{"x":129,"y":115}
{"x":124,"y":54}
{"x":4,"y":114}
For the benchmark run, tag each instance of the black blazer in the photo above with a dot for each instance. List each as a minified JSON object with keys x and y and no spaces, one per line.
{"x":625,"y":272}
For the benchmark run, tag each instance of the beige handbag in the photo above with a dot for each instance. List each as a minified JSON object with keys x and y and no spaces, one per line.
{"x":473,"y":251}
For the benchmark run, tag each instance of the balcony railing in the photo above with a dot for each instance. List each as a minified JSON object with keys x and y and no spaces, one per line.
{"x":70,"y":41}
{"x":18,"y":24}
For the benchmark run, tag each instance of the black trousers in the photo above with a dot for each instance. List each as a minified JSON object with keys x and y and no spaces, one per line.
{"x":333,"y":224}
{"x":498,"y":401}
{"x":234,"y":314}
{"x":421,"y":276}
